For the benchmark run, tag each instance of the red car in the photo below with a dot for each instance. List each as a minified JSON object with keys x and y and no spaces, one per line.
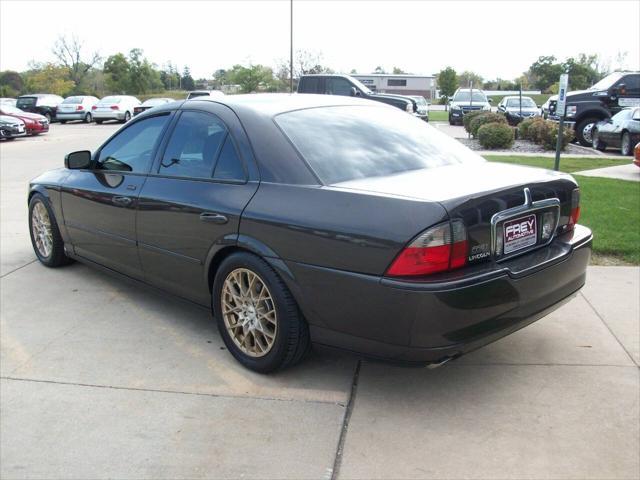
{"x":636,"y":155}
{"x":34,"y":122}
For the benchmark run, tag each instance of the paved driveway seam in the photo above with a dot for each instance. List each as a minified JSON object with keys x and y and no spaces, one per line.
{"x":18,"y":268}
{"x":335,"y":471}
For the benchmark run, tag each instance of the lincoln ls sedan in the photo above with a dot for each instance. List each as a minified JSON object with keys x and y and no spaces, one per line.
{"x":321,"y":219}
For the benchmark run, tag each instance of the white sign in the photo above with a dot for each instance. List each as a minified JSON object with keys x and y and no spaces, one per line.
{"x":562,"y":95}
{"x":629,"y":102}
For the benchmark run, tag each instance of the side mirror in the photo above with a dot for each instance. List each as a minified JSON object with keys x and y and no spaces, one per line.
{"x":353,"y":92}
{"x":78,"y":160}
{"x":621,"y":89}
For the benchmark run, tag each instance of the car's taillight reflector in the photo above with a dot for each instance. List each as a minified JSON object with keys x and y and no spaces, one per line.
{"x":115,"y":107}
{"x":95,"y":107}
{"x":79,"y":108}
{"x":438,"y":249}
{"x":575,"y":208}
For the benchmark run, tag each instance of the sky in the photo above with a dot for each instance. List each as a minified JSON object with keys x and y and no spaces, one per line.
{"x":492,"y":38}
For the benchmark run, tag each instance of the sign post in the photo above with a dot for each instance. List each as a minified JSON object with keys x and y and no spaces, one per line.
{"x":561,"y":107}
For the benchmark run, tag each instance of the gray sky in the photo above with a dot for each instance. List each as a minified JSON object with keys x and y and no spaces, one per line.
{"x":495,"y":39}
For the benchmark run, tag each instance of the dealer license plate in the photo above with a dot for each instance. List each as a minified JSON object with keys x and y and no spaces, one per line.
{"x":519,"y":233}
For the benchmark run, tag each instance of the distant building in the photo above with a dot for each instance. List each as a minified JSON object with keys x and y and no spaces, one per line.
{"x":423,"y":85}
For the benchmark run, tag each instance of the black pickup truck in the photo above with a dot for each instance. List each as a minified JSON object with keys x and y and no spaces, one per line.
{"x":584,"y":108}
{"x":349,"y":86}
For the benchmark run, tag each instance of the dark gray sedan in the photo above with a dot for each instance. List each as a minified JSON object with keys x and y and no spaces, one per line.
{"x":622,"y":131}
{"x":516,"y":111}
{"x":318,"y":218}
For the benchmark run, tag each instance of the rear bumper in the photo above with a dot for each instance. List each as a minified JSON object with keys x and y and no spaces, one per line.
{"x":113,"y":115}
{"x":71,"y":116}
{"x":422,"y":323}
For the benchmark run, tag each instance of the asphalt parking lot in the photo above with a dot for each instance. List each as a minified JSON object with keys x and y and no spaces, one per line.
{"x":104,"y":379}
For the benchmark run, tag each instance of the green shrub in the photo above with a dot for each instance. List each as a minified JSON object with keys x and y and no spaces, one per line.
{"x":466,"y":120}
{"x":523,"y":128}
{"x":549,"y":136}
{"x":495,"y":135}
{"x":486,"y":117}
{"x":537,"y":130}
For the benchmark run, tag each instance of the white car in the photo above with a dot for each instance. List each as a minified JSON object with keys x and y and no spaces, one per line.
{"x":8,"y":101}
{"x":11,"y":127}
{"x":77,"y":107}
{"x":205,"y":93}
{"x":115,"y":107}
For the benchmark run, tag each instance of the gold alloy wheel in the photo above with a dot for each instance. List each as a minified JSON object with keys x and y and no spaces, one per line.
{"x":41,"y":228}
{"x":249,"y":312}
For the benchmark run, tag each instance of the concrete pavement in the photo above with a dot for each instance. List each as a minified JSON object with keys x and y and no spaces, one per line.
{"x":101,"y":378}
{"x":621,"y":172}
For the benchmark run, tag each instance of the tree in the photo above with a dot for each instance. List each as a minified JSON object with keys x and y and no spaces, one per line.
{"x":187,"y":80}
{"x":379,"y":70}
{"x":10,"y":84}
{"x":447,"y":82}
{"x":251,"y":78}
{"x":544,"y":72}
{"x":68,"y":51}
{"x":583,"y":71}
{"x":467,"y":78}
{"x":116,"y":68}
{"x":398,"y":71}
{"x":143,"y":77}
{"x":48,"y":78}
{"x":353,"y":71}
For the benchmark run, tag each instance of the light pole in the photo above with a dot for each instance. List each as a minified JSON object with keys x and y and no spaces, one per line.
{"x":291,"y":46}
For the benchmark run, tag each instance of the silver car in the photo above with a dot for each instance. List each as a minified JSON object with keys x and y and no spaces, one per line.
{"x":11,"y":127}
{"x":8,"y":101}
{"x":76,"y":108}
{"x":115,"y":107}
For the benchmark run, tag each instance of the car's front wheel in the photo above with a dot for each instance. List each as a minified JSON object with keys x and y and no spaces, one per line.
{"x":584,"y":131}
{"x":597,"y":143}
{"x":625,"y":144}
{"x":257,"y":317}
{"x":48,"y":116}
{"x":45,"y":235}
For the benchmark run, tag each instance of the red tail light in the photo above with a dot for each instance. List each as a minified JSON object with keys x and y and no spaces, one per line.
{"x":575,"y":208}
{"x":95,"y":107}
{"x":115,"y":107}
{"x":438,"y":249}
{"x":79,"y":108}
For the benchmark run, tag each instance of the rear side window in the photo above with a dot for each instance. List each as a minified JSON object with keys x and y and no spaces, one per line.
{"x":131,"y":149}
{"x":194,"y":146}
{"x":26,"y":102}
{"x":347,"y":143}
{"x":229,"y":166}
{"x":310,"y":85}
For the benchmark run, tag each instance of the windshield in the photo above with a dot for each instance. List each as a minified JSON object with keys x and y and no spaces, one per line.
{"x":8,"y":109}
{"x":347,"y":143}
{"x":361,"y":86}
{"x":419,"y":100}
{"x":74,"y":100}
{"x":607,"y":81}
{"x":526,"y":103}
{"x":466,"y":97}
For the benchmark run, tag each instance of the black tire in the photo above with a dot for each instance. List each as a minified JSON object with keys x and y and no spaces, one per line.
{"x":49,"y":118}
{"x":597,"y":143}
{"x":625,"y":144}
{"x":63,"y":122}
{"x":9,"y":139}
{"x":57,"y":257}
{"x":292,"y":335}
{"x":99,"y":122}
{"x":450,"y":120}
{"x":127,"y":117}
{"x":580,"y":126}
{"x":88,"y":118}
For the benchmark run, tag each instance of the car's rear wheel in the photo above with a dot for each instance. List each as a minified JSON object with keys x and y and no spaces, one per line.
{"x":625,"y":144}
{"x":127,"y":117}
{"x":584,"y":131}
{"x":88,"y":118}
{"x":48,"y":116}
{"x":257,"y":317}
{"x":63,"y":122}
{"x":45,"y":235}
{"x":99,"y":122}
{"x":597,"y":143}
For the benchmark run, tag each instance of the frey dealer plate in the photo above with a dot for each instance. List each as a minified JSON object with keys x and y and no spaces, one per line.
{"x":519,"y":233}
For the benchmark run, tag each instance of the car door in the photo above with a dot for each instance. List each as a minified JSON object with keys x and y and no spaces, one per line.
{"x":100,"y":203}
{"x":191,"y":203}
{"x":629,"y":91}
{"x":338,"y":86}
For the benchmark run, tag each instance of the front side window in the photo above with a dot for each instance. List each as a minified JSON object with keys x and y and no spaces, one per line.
{"x":347,"y":143}
{"x":338,"y":86}
{"x":131,"y":149}
{"x":632,"y":83}
{"x":194,"y":146}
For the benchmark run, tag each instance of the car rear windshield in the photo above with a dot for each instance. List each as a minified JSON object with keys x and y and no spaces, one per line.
{"x":26,"y":102}
{"x":349,"y":142}
{"x":73,"y":100}
{"x":111,"y":100}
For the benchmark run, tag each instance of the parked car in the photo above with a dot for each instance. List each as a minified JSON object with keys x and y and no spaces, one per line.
{"x":620,"y":131}
{"x":11,"y":127}
{"x":77,"y":107}
{"x":114,"y":107}
{"x":8,"y":101}
{"x":636,"y":155}
{"x":422,"y":105}
{"x":150,"y":103}
{"x":309,"y":218}
{"x":205,"y":93}
{"x":515,"y":112}
{"x":35,"y":123}
{"x":350,"y":87}
{"x":45,"y":104}
{"x":546,"y":105}
{"x":584,"y":108}
{"x":467,"y":100}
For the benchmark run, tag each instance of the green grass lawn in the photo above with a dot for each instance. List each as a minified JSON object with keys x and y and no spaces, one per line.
{"x":568,"y":164}
{"x":175,"y":94}
{"x":438,"y":116}
{"x":611,"y":208}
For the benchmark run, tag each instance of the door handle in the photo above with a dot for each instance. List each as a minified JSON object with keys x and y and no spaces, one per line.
{"x":122,"y":201}
{"x":213,"y":218}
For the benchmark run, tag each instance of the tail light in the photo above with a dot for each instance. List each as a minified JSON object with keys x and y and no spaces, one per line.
{"x":575,"y":208}
{"x":115,"y":107}
{"x":79,"y":108}
{"x":95,"y":107}
{"x":438,"y":249}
